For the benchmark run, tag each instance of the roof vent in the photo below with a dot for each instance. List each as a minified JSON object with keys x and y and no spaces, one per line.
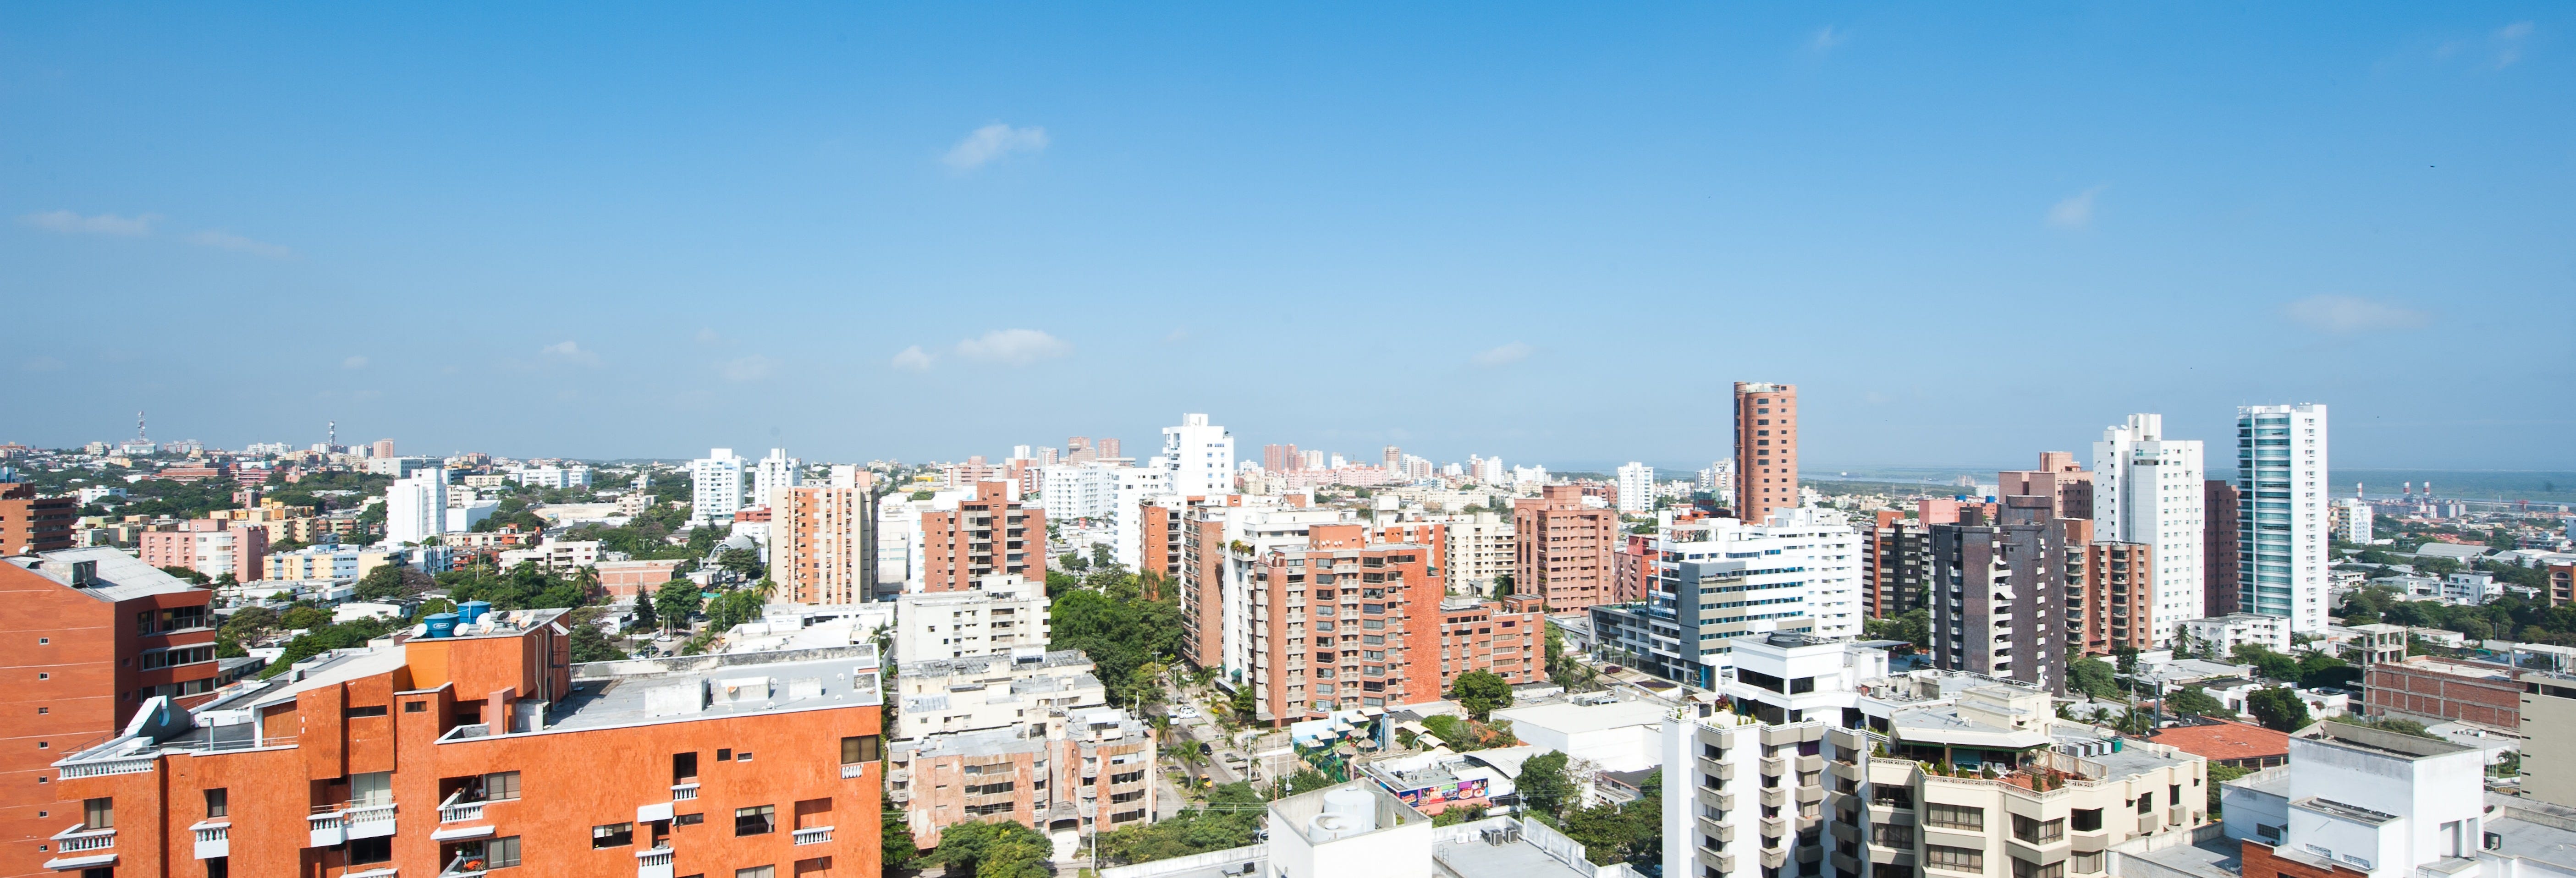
{"x":84,"y":574}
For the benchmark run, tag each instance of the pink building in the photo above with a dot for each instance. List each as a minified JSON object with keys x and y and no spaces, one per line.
{"x":211,"y":547}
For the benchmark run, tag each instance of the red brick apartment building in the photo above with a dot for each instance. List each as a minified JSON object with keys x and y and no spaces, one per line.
{"x":1766,"y":450}
{"x":90,"y":635}
{"x":984,"y":536}
{"x":487,"y":752}
{"x":2444,"y":689}
{"x":1370,"y":606}
{"x":1562,"y":549}
{"x":1505,"y":637}
{"x":30,"y":524}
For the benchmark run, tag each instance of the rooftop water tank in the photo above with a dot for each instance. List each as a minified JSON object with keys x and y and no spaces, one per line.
{"x":441,"y":624}
{"x":1348,"y":811}
{"x":470,"y":612}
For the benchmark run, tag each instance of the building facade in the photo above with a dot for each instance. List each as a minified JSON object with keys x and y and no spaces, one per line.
{"x":1895,"y":561}
{"x":823,"y":546}
{"x":1997,"y":609}
{"x":2220,"y":547}
{"x":989,"y":534}
{"x":715,"y":487}
{"x":31,"y":524}
{"x":2282,"y":517}
{"x":212,"y":547}
{"x":1766,"y":449}
{"x":1719,"y":579}
{"x":998,"y":614}
{"x":1199,"y":456}
{"x":2148,"y":489}
{"x":1561,"y":548}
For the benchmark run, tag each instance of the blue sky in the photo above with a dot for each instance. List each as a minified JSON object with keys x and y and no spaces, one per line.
{"x":923,"y":233}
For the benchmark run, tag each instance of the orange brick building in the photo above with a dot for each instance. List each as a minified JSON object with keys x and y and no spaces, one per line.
{"x":981,"y":537}
{"x":488,"y":750}
{"x":1351,"y":619}
{"x":1766,"y":449}
{"x":825,"y":542}
{"x":1562,"y":549}
{"x":1505,"y":637}
{"x":30,"y":524}
{"x":90,"y":635}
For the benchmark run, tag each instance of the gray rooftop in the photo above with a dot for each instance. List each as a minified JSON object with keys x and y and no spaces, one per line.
{"x":732,"y":690}
{"x":980,"y":664}
{"x":120,"y":577}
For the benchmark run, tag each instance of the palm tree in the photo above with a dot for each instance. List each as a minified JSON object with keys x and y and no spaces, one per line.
{"x":586,"y":578}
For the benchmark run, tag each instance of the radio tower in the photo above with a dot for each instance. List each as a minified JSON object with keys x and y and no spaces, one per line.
{"x":138,"y":425}
{"x":331,"y":438}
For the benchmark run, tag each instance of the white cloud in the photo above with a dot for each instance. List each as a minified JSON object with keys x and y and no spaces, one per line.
{"x":43,"y":364}
{"x":993,"y":142}
{"x":354,"y":363}
{"x":2076,"y":211}
{"x":751,"y":368}
{"x":103,"y":224}
{"x":1827,"y":39}
{"x":239,"y":244}
{"x":1014,"y":347}
{"x":570,"y":352}
{"x":2508,"y":40}
{"x":912,"y":359}
{"x":1504,"y":355}
{"x":2344,"y":315}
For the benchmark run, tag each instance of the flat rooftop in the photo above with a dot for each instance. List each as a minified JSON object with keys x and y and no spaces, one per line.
{"x":119,"y":576}
{"x":1579,"y":718}
{"x":732,"y":690}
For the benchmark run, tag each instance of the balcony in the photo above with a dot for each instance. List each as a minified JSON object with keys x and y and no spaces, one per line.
{"x":77,"y":840}
{"x":371,"y":821}
{"x":329,"y":828}
{"x":684,"y":791}
{"x":1810,"y":764}
{"x":214,"y":838}
{"x":653,"y":863}
{"x":455,"y":810}
{"x":816,"y":835}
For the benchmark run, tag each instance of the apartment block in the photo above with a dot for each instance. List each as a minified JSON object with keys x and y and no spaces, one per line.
{"x":715,"y":487}
{"x":1091,"y":773}
{"x":996,"y":614}
{"x":93,"y":635}
{"x":2148,"y":488}
{"x":213,"y":548}
{"x":1895,"y":562}
{"x":1562,"y":547}
{"x":1766,"y":449}
{"x":2066,"y":483}
{"x":1721,"y":578}
{"x":351,"y":563}
{"x":31,"y":524}
{"x":1017,"y":688}
{"x":1350,"y":619}
{"x":1505,"y":637}
{"x":986,"y":535}
{"x":1998,"y":609}
{"x":823,"y":544}
{"x":2220,"y":554}
{"x":2111,"y":597}
{"x":485,"y":749}
{"x":1480,"y":550}
{"x":2280,"y":479}
{"x":1199,"y":457}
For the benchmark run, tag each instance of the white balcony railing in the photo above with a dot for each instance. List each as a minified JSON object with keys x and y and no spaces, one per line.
{"x":854,"y":769}
{"x":76,"y":839}
{"x":683,"y":792}
{"x":456,"y":810}
{"x":816,"y":835}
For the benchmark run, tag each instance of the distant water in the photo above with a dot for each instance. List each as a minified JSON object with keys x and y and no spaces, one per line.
{"x":2554,"y":486}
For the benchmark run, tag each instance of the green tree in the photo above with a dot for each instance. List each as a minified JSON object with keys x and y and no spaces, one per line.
{"x":2219,"y":774}
{"x":589,"y":645}
{"x":992,"y":849}
{"x":1481,"y":692}
{"x":2278,"y":708}
{"x":677,"y":601}
{"x":187,"y":573}
{"x":742,"y":562}
{"x":1502,"y":586}
{"x":644,"y":618}
{"x":2195,"y":701}
{"x":1100,"y":555}
{"x":894,"y":838}
{"x":304,"y":617}
{"x":1544,"y":785}
{"x":2319,"y":670}
{"x":2093,"y":677}
{"x":384,"y":583}
{"x":2127,"y":658}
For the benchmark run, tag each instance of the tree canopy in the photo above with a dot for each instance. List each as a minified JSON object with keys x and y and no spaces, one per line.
{"x":1543,"y":784}
{"x":1110,"y":619}
{"x":2278,"y":708}
{"x":1481,"y":692}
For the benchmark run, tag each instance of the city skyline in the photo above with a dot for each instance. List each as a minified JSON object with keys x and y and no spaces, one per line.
{"x":681,"y":232}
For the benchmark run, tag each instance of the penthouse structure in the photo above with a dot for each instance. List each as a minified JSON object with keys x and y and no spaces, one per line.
{"x":1766,"y":449}
{"x":461,"y":751}
{"x":985,"y":535}
{"x":93,"y":635}
{"x":1562,"y":548}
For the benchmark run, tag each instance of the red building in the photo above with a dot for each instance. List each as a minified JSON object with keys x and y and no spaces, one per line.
{"x":487,"y":750}
{"x":1349,"y":620}
{"x":2445,"y":689}
{"x":92,"y":634}
{"x":2219,"y":558}
{"x":29,"y":523}
{"x":1562,"y":547}
{"x":1766,"y":450}
{"x":984,"y":536}
{"x":1506,"y":637}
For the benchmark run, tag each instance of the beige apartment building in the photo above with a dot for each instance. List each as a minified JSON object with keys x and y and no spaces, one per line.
{"x":823,"y":541}
{"x":1480,"y":549}
{"x":999,"y":614}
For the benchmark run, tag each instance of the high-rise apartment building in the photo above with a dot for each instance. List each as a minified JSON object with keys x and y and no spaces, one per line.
{"x":1480,"y":550}
{"x":1351,"y":619}
{"x":1636,"y":488}
{"x":416,"y":508}
{"x":1766,"y":449}
{"x":2147,"y":489}
{"x":2110,"y":598}
{"x":2352,"y":521}
{"x":1200,"y":457}
{"x":1720,"y":578}
{"x":2281,"y":518}
{"x":1279,"y":458}
{"x":773,"y":474}
{"x":92,"y":634}
{"x":1562,"y":547}
{"x":31,"y":524}
{"x":383,"y":448}
{"x":2221,"y":537}
{"x":823,"y":547}
{"x":988,"y":534}
{"x":1999,"y":594}
{"x":484,"y":749}
{"x":715,"y":487}
{"x":2059,"y":477}
{"x":1108,"y":448}
{"x":1896,"y":562}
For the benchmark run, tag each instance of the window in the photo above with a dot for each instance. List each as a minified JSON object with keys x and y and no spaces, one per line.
{"x":1892,"y":797}
{"x":2146,"y":802}
{"x":684,"y":767}
{"x":371,"y":788}
{"x":1892,"y":835}
{"x":355,"y":712}
{"x":500,"y":786}
{"x":2085,"y":861}
{"x":218,"y":803}
{"x":2088,"y":819}
{"x":756,"y":872}
{"x":758,"y":820}
{"x":379,"y":849}
{"x":688,"y":819}
{"x":724,"y":754}
{"x":612,"y":835}
{"x":99,"y":813}
{"x":862,"y":748}
{"x":2027,"y":869}
{"x":1954,"y":859}
{"x":415,"y":707}
{"x":1954,"y":816}
{"x":501,"y":853}
{"x":2038,"y":831}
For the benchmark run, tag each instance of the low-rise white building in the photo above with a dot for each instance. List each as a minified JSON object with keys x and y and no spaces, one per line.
{"x":997,"y":614}
{"x":2220,"y":635}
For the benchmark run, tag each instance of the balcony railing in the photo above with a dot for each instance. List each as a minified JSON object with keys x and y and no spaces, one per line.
{"x":77,"y":839}
{"x":456,"y":810}
{"x":684,"y":792}
{"x":854,"y":769}
{"x":816,"y":835}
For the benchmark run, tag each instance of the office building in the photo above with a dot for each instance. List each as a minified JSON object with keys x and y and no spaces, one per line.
{"x":1998,"y":606}
{"x":1720,"y":578}
{"x":1562,"y":547}
{"x":480,"y":748}
{"x":1766,"y":449}
{"x":31,"y":524}
{"x":773,"y":474}
{"x":823,"y":539}
{"x":93,"y":635}
{"x":715,"y":487}
{"x":214,"y":548}
{"x":982,"y":536}
{"x":997,"y":614}
{"x":1200,"y":457}
{"x":2148,"y":489}
{"x":2282,"y":519}
{"x":1636,"y":488}
{"x":2220,"y":549}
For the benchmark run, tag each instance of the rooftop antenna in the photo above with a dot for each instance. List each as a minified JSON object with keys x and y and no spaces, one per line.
{"x":138,"y":425}
{"x":331,"y":437}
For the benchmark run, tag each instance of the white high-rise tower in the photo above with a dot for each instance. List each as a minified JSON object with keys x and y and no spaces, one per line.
{"x":1199,"y":456}
{"x":773,"y":473}
{"x":2283,"y":519}
{"x":715,"y":487}
{"x":2147,"y":489}
{"x":1636,"y":488}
